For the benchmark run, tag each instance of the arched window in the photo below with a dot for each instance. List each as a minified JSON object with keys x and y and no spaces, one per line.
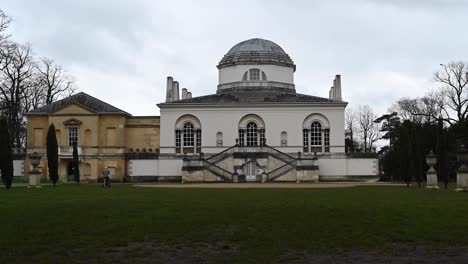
{"x":251,"y":131}
{"x":316,"y":139}
{"x":252,"y":137}
{"x":188,"y":135}
{"x":254,"y":75}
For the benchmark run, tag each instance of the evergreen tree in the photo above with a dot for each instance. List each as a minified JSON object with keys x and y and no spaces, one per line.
{"x":76,"y":163}
{"x":52,"y":154}
{"x":442,"y":166}
{"x":6,"y":156}
{"x":405,"y":151}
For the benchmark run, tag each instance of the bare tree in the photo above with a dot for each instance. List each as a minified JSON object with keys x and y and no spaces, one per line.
{"x":426,"y":109}
{"x":368,"y":130}
{"x":26,"y":84}
{"x":350,"y":128}
{"x":454,"y":80}
{"x":53,"y":81}
{"x":15,"y":80}
{"x":4,"y":23}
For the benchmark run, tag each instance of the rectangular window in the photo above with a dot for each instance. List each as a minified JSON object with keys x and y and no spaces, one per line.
{"x":241,"y":137}
{"x":178,"y":140}
{"x":38,"y":137}
{"x":72,"y":136}
{"x":262,"y":137}
{"x":327,"y":139}
{"x":254,"y":74}
{"x":305,"y":132}
{"x":198,"y":143}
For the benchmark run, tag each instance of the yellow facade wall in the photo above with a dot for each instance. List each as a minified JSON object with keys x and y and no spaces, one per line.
{"x":103,"y":140}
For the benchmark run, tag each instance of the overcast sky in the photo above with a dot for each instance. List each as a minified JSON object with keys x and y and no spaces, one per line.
{"x":122,"y":51}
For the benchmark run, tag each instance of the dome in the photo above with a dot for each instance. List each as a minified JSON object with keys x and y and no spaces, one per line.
{"x":256,"y":51}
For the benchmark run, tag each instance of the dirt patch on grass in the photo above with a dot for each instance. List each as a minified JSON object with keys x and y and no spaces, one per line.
{"x":152,"y":252}
{"x":223,"y":252}
{"x":394,"y":255}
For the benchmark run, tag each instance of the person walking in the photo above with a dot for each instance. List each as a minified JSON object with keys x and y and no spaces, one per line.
{"x":106,"y":175}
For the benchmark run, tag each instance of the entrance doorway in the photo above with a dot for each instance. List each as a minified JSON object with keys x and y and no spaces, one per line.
{"x":70,"y":171}
{"x":251,"y":171}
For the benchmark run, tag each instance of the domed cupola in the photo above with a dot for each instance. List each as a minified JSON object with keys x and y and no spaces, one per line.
{"x":256,"y":51}
{"x":256,"y":64}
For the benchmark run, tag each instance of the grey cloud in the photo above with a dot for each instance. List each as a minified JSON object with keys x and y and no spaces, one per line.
{"x":139,"y":43}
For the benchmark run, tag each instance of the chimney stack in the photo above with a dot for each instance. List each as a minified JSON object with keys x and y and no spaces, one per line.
{"x":175,"y":94}
{"x":169,"y":91}
{"x":337,"y":86}
{"x":184,"y":93}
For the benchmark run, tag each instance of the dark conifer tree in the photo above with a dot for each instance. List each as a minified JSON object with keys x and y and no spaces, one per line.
{"x":76,"y":163}
{"x":442,"y":166}
{"x":6,"y":156}
{"x":52,"y":154}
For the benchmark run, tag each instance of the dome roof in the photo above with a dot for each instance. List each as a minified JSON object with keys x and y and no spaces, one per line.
{"x":256,"y":44}
{"x":256,"y":51}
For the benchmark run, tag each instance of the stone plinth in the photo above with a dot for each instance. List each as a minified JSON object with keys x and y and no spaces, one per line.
{"x":432,"y":179}
{"x":34,"y":179}
{"x":462,"y":179}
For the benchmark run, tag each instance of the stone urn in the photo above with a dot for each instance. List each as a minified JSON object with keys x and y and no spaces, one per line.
{"x":431,"y":160}
{"x":35,"y":173}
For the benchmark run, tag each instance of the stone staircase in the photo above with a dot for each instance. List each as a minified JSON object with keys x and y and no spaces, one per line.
{"x":199,"y":163}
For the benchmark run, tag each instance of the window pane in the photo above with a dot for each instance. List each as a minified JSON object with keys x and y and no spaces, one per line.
{"x":326,"y":137}
{"x":252,"y":134}
{"x":254,"y":74}
{"x":188,"y":135}
{"x":316,"y":134}
{"x":178,"y":139}
{"x":72,"y":135}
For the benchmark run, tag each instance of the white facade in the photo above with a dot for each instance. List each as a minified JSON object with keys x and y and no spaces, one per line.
{"x":256,"y":126}
{"x":276,"y":119}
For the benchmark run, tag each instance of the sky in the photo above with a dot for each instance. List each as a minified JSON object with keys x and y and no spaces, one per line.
{"x":122,"y":51}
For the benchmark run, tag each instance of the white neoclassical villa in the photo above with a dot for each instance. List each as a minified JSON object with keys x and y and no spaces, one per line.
{"x":256,"y":127}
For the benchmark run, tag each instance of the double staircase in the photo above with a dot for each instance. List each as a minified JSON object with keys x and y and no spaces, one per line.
{"x":210,"y":163}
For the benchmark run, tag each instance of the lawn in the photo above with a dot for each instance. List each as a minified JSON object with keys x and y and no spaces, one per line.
{"x":89,"y":224}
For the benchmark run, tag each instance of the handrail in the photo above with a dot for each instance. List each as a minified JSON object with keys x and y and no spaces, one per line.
{"x":221,"y":154}
{"x":226,"y":175}
{"x":280,"y":171}
{"x":287,"y":157}
{"x":218,"y":170}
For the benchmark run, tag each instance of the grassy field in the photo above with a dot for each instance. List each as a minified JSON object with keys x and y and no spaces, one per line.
{"x":88,"y":224}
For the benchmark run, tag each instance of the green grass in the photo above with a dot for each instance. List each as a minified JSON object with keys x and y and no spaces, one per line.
{"x":54,"y":225}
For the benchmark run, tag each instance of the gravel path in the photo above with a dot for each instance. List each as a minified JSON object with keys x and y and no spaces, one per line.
{"x":266,"y":185}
